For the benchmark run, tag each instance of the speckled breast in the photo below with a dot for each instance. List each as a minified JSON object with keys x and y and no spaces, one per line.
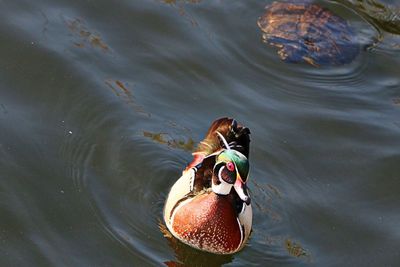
{"x":208,"y":222}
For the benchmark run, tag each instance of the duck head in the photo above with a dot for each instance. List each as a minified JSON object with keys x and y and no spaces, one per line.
{"x":231,"y":169}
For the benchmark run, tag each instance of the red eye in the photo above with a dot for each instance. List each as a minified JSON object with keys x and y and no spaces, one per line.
{"x":230,"y":166}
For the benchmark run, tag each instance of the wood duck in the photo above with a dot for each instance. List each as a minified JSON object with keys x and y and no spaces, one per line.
{"x":209,"y":207}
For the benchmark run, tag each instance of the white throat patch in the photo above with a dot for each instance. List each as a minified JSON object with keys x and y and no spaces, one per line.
{"x":222,"y":189}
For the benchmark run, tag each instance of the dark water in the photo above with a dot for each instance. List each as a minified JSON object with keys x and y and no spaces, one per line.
{"x":102,"y":101}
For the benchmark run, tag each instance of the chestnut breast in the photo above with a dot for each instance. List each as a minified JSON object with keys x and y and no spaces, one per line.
{"x":210,"y":222}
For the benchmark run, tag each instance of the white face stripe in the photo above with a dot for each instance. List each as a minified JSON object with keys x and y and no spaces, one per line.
{"x":219,"y":174}
{"x":223,"y":140}
{"x":222,"y":189}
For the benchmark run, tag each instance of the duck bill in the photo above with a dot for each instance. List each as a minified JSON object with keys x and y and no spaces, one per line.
{"x":241,"y":190}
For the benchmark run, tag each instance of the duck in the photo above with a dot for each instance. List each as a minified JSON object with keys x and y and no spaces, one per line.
{"x":209,"y":206}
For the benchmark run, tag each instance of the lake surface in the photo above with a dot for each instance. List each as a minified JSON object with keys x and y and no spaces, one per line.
{"x":102,"y":102}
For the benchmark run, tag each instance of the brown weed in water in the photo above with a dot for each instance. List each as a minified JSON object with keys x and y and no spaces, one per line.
{"x":180,"y":5}
{"x":264,"y":199}
{"x":166,"y":139}
{"x":295,"y":249}
{"x":121,"y":90}
{"x":85,"y":35}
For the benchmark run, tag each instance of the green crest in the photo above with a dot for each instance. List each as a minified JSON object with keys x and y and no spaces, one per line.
{"x":240,"y":161}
